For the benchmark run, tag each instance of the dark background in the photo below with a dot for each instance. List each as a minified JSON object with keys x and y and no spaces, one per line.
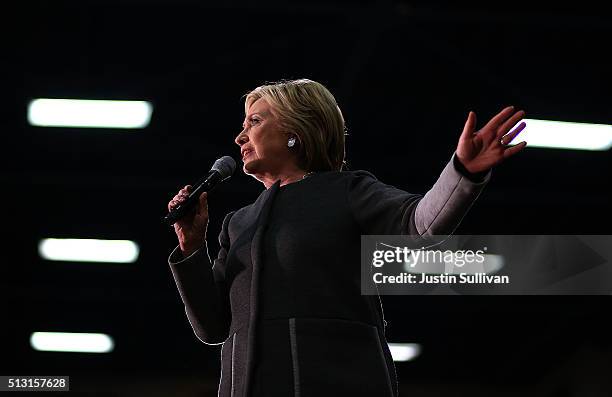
{"x":405,"y":74}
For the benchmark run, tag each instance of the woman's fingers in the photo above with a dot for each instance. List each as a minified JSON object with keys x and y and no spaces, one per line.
{"x":514,"y":149}
{"x":499,"y":119}
{"x":506,"y":139}
{"x":175,"y":202}
{"x":483,"y":147}
{"x":180,"y":197}
{"x":511,"y":122}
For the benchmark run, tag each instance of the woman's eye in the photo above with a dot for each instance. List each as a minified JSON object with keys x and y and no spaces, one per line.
{"x":255,"y":121}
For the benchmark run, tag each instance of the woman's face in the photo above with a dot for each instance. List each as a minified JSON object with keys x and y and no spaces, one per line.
{"x":263,"y":146}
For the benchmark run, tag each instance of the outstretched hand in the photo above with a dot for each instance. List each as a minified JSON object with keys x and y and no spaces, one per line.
{"x":479,"y":151}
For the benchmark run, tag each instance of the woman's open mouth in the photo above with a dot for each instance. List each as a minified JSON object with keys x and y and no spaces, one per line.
{"x":246,"y":154}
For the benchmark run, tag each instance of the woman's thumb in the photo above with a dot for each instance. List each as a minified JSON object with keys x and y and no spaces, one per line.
{"x":468,"y":129}
{"x":203,"y":202}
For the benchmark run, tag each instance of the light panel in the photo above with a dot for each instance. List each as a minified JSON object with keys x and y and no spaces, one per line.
{"x":71,"y":342}
{"x":492,"y":263}
{"x":88,"y":250}
{"x":404,"y":351}
{"x":565,"y":135}
{"x":87,"y":113}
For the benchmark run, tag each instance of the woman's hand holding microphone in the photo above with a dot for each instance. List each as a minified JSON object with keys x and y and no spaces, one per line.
{"x":191,"y":228}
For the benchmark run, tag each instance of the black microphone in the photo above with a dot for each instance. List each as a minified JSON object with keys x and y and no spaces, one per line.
{"x":220,"y":171}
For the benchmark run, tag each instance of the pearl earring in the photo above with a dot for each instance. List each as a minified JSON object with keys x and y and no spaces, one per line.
{"x":291,"y":142}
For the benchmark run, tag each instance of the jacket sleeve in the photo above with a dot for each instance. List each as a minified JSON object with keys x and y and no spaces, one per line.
{"x":383,"y":209}
{"x":443,"y":207}
{"x":379,"y":208}
{"x":203,"y":289}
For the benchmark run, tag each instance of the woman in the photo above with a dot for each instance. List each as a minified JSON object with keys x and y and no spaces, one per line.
{"x":283,"y":295}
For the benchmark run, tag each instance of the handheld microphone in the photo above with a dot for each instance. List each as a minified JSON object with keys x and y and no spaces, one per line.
{"x":221,"y":170}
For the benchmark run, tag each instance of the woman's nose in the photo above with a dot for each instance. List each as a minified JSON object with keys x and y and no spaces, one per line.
{"x":242,"y":138}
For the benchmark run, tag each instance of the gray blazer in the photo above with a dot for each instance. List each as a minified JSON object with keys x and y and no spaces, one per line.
{"x":283,"y":295}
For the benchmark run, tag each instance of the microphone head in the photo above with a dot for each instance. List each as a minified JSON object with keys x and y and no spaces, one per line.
{"x":225,"y":166}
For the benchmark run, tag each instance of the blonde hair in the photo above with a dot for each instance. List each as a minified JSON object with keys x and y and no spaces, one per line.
{"x":307,"y":109}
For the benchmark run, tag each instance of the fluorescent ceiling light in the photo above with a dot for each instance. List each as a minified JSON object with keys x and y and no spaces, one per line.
{"x":404,"y":351}
{"x":89,"y":113}
{"x":566,"y":135}
{"x":71,"y":342}
{"x":451,"y":264}
{"x":88,"y":250}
